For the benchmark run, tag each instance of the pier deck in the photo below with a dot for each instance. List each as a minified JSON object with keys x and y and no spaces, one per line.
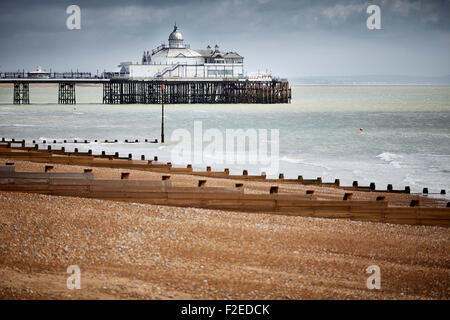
{"x":176,"y":91}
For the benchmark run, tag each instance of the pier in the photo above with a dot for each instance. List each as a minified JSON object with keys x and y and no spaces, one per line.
{"x":149,"y":91}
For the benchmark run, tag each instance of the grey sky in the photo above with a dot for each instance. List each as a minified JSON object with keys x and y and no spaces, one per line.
{"x":289,"y":38}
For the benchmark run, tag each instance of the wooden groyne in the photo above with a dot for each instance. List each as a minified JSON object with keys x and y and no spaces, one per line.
{"x":113,"y":160}
{"x":162,"y":192}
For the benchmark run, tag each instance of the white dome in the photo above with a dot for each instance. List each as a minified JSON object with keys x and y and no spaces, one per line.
{"x":175,"y":35}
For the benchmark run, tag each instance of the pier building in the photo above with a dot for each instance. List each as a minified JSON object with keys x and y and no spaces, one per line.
{"x":178,"y":60}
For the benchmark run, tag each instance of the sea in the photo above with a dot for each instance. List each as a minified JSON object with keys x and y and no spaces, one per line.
{"x":392,"y":134}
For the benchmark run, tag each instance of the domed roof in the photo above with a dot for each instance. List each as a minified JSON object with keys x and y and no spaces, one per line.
{"x":175,"y":35}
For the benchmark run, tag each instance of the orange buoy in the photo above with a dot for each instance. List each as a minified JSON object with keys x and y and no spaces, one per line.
{"x":361,"y":129}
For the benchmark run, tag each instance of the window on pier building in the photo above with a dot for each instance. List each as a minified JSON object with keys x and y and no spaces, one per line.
{"x":220,"y":72}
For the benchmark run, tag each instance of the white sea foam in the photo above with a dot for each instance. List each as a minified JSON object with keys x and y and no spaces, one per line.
{"x":388,"y":156}
{"x":44,"y":138}
{"x":22,"y":125}
{"x":291,"y":160}
{"x":306,"y":163}
{"x":396,"y":164}
{"x":392,"y":158}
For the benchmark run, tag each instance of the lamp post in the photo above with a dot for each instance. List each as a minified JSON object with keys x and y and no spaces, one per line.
{"x":163,"y":87}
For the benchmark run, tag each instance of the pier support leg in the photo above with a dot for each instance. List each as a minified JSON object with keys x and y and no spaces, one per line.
{"x":21,"y":93}
{"x":113,"y":93}
{"x":106,"y":92}
{"x":66,"y":93}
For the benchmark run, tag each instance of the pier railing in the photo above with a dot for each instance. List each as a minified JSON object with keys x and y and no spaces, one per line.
{"x":49,"y":75}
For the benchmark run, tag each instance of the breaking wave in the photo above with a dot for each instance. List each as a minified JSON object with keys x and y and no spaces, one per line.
{"x":392,"y":158}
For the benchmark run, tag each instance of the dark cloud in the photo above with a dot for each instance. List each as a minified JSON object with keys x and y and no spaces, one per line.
{"x":290,"y":38}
